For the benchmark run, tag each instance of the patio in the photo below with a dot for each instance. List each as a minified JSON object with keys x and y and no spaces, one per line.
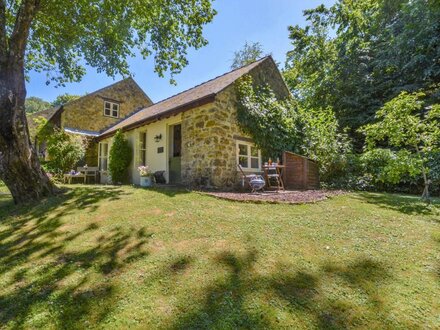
{"x":284,"y":196}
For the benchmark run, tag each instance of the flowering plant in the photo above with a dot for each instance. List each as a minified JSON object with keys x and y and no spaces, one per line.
{"x":144,"y":170}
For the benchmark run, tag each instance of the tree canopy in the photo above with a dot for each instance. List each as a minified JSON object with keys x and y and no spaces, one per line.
{"x":64,"y":98}
{"x":356,"y":55}
{"x":248,"y":54}
{"x":65,"y":35}
{"x":35,"y":104}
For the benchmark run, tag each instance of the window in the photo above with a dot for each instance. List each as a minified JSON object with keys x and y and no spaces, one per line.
{"x":111,"y":109}
{"x":103,"y":156}
{"x":142,"y":148}
{"x":248,"y":156}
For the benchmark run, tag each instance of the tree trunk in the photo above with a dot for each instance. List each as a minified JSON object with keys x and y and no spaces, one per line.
{"x":425,"y":195}
{"x":20,"y":168}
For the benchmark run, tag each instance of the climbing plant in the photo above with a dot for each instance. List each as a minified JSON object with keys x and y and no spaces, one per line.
{"x":282,"y":125}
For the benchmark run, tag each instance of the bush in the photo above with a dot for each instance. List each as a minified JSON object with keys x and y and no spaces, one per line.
{"x":120,"y":158}
{"x":64,"y":151}
{"x":385,"y":170}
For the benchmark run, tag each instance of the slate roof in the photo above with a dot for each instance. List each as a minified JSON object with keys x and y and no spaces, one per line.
{"x":193,"y":97}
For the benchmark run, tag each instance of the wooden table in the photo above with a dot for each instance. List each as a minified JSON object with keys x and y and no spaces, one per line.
{"x":278,"y":175}
{"x":68,"y":177}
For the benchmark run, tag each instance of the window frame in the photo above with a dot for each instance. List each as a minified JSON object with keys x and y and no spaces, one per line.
{"x":141,"y":150}
{"x":249,"y":156}
{"x":101,"y":156}
{"x":111,"y":109}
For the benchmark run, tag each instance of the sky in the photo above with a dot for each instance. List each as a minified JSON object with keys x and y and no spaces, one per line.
{"x":237,"y":21}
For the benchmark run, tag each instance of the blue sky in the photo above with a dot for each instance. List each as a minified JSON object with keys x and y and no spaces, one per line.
{"x":237,"y":21}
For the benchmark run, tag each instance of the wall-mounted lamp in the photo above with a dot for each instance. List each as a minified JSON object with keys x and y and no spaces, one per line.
{"x":158,"y":137}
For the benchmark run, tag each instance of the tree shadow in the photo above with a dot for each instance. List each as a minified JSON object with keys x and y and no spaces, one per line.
{"x":45,"y":272}
{"x":225,"y":303}
{"x":305,"y":293}
{"x":170,"y":191}
{"x":410,"y":205}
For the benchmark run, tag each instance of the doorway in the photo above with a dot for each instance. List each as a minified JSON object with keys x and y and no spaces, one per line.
{"x":175,"y":153}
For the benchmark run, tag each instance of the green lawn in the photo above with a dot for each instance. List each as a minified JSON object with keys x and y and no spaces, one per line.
{"x":106,"y":257}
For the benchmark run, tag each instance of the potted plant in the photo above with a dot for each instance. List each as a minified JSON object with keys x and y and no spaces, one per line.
{"x":146,"y":176}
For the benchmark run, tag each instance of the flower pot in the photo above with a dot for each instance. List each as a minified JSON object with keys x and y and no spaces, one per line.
{"x":146,"y":181}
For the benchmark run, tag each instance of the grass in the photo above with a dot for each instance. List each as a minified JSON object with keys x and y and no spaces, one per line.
{"x":99,"y":257}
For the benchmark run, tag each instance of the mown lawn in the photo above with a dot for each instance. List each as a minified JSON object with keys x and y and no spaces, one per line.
{"x":106,"y":257}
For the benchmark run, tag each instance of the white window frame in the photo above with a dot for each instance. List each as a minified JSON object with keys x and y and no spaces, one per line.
{"x":140,"y":150}
{"x":249,"y":145}
{"x":101,"y":156}
{"x":111,"y":104}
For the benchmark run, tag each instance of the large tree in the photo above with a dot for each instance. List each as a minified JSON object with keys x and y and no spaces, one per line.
{"x":59,"y":37}
{"x":356,"y":55}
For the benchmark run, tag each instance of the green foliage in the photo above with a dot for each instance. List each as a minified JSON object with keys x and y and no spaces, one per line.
{"x":35,"y":104}
{"x":120,"y":158}
{"x":323,"y":142}
{"x":273,"y":124}
{"x":248,"y":54}
{"x":357,"y":55}
{"x":404,"y":122}
{"x":413,"y":129}
{"x":281,"y":125}
{"x":64,"y":150}
{"x":64,"y":98}
{"x":387,"y":166}
{"x":67,"y":34}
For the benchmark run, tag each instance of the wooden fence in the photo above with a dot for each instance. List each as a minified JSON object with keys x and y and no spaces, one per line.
{"x":300,"y":172}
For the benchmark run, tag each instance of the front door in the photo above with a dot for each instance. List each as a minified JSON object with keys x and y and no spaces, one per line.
{"x":175,"y":153}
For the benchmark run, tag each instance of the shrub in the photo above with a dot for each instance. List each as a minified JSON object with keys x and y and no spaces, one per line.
{"x":120,"y":158}
{"x":64,"y":151}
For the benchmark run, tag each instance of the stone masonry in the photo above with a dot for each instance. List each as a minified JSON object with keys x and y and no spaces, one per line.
{"x":87,"y":113}
{"x":210,"y":134}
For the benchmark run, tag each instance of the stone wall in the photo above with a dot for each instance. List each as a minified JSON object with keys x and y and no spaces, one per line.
{"x":209,"y":145}
{"x":210,"y":134}
{"x":87,"y":113}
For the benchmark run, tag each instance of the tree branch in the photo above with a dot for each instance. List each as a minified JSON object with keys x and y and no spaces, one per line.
{"x":20,"y":34}
{"x":3,"y":35}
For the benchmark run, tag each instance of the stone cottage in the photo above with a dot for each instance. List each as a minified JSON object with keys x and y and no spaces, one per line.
{"x":194,"y":136}
{"x":91,"y":114}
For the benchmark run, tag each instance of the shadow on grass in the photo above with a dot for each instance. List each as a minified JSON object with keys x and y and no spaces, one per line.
{"x":42,"y":276}
{"x":226,"y":303}
{"x":407,"y":204}
{"x":168,"y":190}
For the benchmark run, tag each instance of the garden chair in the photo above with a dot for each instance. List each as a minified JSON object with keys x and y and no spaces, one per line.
{"x":255,"y":181}
{"x":89,"y":172}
